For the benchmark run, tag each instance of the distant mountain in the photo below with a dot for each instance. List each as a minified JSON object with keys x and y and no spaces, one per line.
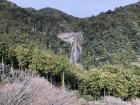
{"x":111,"y":37}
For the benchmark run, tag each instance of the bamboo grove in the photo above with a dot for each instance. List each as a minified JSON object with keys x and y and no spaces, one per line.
{"x":113,"y":80}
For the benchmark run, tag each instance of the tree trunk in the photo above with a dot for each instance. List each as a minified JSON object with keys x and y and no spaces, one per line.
{"x":104,"y":94}
{"x":12,"y":65}
{"x":78,"y":84}
{"x":63,"y":79}
{"x":47,"y":77}
{"x":2,"y":65}
{"x":51,"y":80}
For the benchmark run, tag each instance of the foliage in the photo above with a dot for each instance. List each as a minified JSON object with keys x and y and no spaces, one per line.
{"x":47,"y":63}
{"x":122,"y":83}
{"x":109,"y":38}
{"x":28,"y":39}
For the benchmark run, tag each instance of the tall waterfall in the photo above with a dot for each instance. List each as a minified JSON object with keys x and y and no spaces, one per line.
{"x":76,"y":40}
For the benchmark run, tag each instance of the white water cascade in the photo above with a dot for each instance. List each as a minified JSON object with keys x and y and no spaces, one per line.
{"x":76,"y":40}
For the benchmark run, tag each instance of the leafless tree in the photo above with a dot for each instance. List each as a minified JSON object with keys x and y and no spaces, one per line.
{"x":27,"y":88}
{"x":24,"y":88}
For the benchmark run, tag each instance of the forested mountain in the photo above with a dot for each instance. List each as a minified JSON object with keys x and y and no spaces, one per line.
{"x":110,"y":43}
{"x":111,"y":37}
{"x":23,"y":26}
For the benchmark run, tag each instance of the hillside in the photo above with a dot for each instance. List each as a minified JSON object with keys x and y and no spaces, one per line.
{"x":23,"y":26}
{"x":27,"y":88}
{"x":111,"y":37}
{"x":105,"y":48}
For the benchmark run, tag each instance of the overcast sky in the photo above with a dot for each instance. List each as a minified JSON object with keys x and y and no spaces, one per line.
{"x":78,"y":8}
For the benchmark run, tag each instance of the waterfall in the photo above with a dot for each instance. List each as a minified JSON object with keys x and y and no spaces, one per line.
{"x":76,"y":40}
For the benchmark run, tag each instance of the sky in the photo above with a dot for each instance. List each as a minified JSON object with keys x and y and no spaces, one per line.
{"x":77,"y":8}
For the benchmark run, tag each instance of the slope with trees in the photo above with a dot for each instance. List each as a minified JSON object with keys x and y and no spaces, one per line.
{"x":28,"y":40}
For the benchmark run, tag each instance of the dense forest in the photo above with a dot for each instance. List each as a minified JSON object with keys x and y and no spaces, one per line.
{"x":111,"y":37}
{"x":28,"y":41}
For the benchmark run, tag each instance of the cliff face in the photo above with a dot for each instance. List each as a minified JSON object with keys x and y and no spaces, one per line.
{"x":111,"y":37}
{"x":76,"y":41}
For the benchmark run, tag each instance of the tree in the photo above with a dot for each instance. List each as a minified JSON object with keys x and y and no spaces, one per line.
{"x":62,"y":66}
{"x":22,"y":56}
{"x":38,"y":61}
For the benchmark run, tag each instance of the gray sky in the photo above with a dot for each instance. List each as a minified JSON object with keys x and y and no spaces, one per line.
{"x":78,"y":8}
